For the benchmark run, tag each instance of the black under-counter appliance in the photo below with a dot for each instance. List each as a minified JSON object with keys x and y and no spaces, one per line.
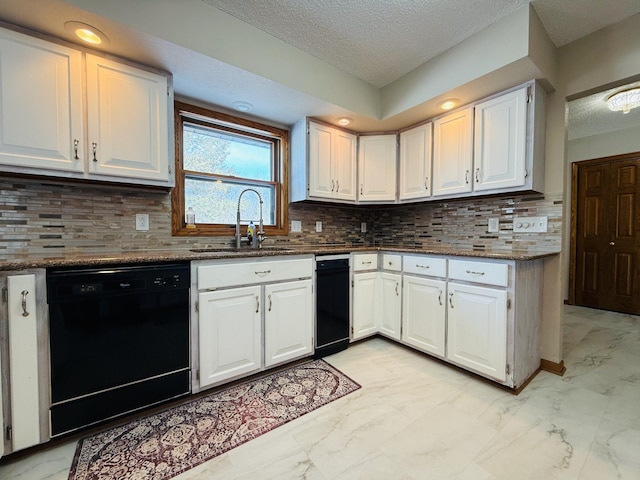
{"x":332,"y":305}
{"x":119,"y":340}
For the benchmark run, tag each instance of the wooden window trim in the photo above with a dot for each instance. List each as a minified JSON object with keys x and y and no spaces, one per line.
{"x":184,"y":111}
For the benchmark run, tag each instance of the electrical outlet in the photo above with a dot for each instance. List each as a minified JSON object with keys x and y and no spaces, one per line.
{"x":142,"y":221}
{"x":318,"y":227}
{"x":296,"y":226}
{"x":363,"y":227}
{"x":494,"y":225}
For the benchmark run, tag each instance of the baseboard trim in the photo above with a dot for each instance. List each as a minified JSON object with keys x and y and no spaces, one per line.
{"x":553,"y":367}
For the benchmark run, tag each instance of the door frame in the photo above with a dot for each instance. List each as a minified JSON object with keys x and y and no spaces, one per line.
{"x":575,"y":166}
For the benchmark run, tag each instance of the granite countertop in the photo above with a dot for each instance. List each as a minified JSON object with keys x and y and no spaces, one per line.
{"x":74,"y":259}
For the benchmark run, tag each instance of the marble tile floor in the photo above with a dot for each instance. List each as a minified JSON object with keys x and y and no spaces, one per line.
{"x":417,"y":419}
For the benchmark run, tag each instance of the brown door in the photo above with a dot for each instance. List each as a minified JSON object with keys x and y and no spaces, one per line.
{"x":606,"y":236}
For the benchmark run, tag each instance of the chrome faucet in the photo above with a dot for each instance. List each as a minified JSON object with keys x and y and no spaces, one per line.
{"x":259,"y":236}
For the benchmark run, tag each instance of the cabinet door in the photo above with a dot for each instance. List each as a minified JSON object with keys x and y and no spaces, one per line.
{"x":500,"y":141}
{"x":127,"y":121}
{"x":23,"y":361}
{"x":365,"y":303}
{"x":321,"y":139}
{"x":40,"y":104}
{"x":423,"y":314}
{"x":288,"y":322}
{"x":477,"y":329}
{"x":415,"y":163}
{"x":377,"y":168}
{"x":452,"y":148}
{"x":390,"y":305}
{"x":344,"y":165}
{"x":229,"y":333}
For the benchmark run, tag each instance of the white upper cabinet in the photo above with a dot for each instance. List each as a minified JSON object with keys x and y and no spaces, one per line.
{"x":123,"y":136}
{"x":415,"y":163}
{"x":41,"y":123}
{"x":452,"y":153}
{"x":500,"y":135}
{"x":127,"y":121}
{"x":323,"y":163}
{"x":377,"y":160}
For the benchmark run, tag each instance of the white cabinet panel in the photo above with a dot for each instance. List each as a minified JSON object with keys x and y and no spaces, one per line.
{"x":23,"y":361}
{"x":500,"y":136}
{"x":390,"y":305}
{"x":127,"y":112}
{"x":377,"y":168}
{"x":424,"y":310}
{"x":452,"y":153}
{"x":365,"y":261}
{"x":479,"y":271}
{"x":229,"y":334}
{"x":344,"y":164}
{"x":320,"y":155}
{"x":425,"y":265}
{"x":288,"y":322}
{"x":40,"y":104}
{"x":392,"y":262}
{"x":365,"y":302}
{"x":477,"y":329}
{"x":415,"y":163}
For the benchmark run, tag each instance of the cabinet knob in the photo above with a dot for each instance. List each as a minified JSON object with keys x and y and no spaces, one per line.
{"x":612,"y":243}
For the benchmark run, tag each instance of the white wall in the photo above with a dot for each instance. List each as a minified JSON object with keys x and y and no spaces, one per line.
{"x":604,"y":145}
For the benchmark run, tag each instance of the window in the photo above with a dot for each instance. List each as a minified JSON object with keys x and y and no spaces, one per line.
{"x":217,"y":157}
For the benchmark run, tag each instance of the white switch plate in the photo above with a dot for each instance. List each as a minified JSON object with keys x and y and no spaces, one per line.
{"x":142,"y":221}
{"x":530,"y":224}
{"x":363,"y":227}
{"x":318,"y":227}
{"x":494,"y":225}
{"x":296,"y":226}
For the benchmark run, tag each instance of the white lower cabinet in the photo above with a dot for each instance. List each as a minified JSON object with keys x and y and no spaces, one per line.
{"x":365,"y":293}
{"x":424,"y":314}
{"x":288,"y":321}
{"x":390,"y":304}
{"x":477,"y":329}
{"x":229,"y":334}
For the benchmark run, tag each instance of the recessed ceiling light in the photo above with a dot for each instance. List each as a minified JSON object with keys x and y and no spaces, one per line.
{"x":87,"y":33}
{"x":624,"y":101}
{"x":344,"y":121}
{"x":449,"y":103}
{"x":242,"y":106}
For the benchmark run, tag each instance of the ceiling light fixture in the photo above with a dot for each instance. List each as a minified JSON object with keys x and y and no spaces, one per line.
{"x":624,"y":101}
{"x":344,"y":121}
{"x":449,"y":103}
{"x":86,"y":33}
{"x":242,"y":106}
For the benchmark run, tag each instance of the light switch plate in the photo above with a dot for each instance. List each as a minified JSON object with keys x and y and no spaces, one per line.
{"x":363,"y":227}
{"x":318,"y":227}
{"x":494,"y":225}
{"x":530,"y":224}
{"x":296,"y":226}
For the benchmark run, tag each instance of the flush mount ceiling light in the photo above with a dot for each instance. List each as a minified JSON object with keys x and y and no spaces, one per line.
{"x":624,"y":101}
{"x":242,"y":106}
{"x":449,"y":103}
{"x":86,"y":33}
{"x":344,"y":121}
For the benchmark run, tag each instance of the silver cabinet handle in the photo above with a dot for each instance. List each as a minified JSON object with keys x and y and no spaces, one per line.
{"x":423,"y":266}
{"x":471,"y":272}
{"x":440,"y":297}
{"x":257,"y":304}
{"x":24,"y":294}
{"x":76,"y":142}
{"x":361,"y":192}
{"x":451,"y":300}
{"x":270,"y":302}
{"x":337,"y":186}
{"x":263,"y":273}
{"x":333,"y":185}
{"x":367,"y":263}
{"x":466,"y":176}
{"x":397,"y":293}
{"x":94,"y":147}
{"x":477,"y":174}
{"x":426,"y":183}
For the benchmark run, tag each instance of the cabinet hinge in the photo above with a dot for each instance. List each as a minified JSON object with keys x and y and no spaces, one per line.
{"x":352,"y":283}
{"x":8,"y":433}
{"x":351,"y":330}
{"x":508,"y":304}
{"x":169,"y":168}
{"x":198,"y":374}
{"x":526,"y":172}
{"x":5,"y":298}
{"x":507,"y":369}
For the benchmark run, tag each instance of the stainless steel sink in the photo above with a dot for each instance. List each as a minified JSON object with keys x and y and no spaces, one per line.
{"x":241,"y":250}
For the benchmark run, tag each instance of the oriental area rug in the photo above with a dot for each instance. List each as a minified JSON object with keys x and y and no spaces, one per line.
{"x":165,"y":444}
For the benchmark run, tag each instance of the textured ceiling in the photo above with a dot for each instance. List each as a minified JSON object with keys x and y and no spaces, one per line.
{"x":381,"y":41}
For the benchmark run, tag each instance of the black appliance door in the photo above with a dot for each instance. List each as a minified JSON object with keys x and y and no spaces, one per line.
{"x":332,"y":306}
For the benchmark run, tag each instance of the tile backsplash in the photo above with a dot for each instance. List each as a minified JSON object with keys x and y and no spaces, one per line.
{"x":57,"y":218}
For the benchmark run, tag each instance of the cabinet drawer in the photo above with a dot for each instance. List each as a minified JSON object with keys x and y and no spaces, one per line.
{"x":365,"y":261}
{"x":220,"y":275}
{"x":423,"y":265}
{"x":392,"y":262}
{"x":479,"y":272}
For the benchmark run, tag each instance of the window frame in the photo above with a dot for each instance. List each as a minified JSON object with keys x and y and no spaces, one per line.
{"x":187,"y":113}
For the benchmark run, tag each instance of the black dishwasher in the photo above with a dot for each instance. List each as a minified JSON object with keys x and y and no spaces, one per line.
{"x":332,"y":305}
